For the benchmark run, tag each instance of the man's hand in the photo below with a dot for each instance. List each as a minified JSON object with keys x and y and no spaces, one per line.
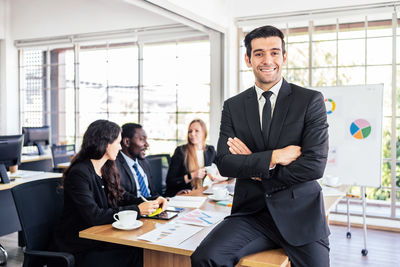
{"x":162,"y":202}
{"x":147,"y":208}
{"x":237,"y":147}
{"x":285,"y":156}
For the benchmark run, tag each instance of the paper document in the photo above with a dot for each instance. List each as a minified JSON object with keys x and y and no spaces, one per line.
{"x":200,"y":217}
{"x":330,"y":191}
{"x":186,"y":201}
{"x":170,"y":234}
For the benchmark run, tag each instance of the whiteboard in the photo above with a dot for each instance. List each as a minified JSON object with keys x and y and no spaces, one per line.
{"x":355,"y":133}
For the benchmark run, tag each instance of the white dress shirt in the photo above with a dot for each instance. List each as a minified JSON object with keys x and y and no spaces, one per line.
{"x":130,"y":163}
{"x":261,"y":100}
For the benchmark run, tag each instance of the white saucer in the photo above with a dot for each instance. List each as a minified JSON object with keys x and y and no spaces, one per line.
{"x":212,"y":197}
{"x":333,"y":185}
{"x":119,"y":226}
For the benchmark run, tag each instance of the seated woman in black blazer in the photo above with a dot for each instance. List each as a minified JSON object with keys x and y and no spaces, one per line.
{"x":92,"y":194}
{"x":187,"y":168}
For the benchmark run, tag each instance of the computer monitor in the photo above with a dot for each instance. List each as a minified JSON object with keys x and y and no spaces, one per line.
{"x":10,"y":154}
{"x":37,"y":136}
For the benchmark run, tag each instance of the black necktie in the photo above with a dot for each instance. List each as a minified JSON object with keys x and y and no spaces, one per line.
{"x":266,"y":116}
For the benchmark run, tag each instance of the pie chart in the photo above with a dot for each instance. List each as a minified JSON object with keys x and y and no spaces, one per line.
{"x":330,"y":105}
{"x":360,"y":129}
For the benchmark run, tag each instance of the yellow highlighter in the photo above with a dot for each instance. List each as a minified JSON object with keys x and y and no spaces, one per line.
{"x":158,"y":211}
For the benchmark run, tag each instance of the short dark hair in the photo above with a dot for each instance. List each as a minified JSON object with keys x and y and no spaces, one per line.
{"x":263,"y":32}
{"x":129,"y":129}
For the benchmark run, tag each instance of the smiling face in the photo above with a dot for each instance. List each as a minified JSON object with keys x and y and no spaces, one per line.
{"x":113,"y":148}
{"x":136,"y":146}
{"x":196,"y":135}
{"x":267,"y":61}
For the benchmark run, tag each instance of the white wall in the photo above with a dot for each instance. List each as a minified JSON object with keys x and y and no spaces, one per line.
{"x":44,"y":18}
{"x":2,"y":18}
{"x":9,"y":102}
{"x":215,"y":11}
{"x":259,"y":7}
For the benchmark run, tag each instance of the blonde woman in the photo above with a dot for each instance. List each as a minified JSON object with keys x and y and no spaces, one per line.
{"x":187,"y":168}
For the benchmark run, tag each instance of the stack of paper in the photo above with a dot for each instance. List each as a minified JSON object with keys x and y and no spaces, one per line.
{"x":186,"y":201}
{"x":170,"y":234}
{"x":200,"y":217}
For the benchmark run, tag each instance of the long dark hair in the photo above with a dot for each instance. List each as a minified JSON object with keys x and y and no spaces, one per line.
{"x":97,"y":137}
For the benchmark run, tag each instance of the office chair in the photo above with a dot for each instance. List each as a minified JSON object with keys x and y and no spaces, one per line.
{"x":159,"y":164}
{"x":39,"y":206}
{"x":61,"y":154}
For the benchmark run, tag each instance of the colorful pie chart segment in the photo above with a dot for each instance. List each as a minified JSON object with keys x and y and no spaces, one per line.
{"x":330,"y":105}
{"x":360,"y":129}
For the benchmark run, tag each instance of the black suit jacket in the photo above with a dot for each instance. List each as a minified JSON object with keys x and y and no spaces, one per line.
{"x":85,"y":205}
{"x":128,"y":180}
{"x":177,"y":169}
{"x":290,"y":192}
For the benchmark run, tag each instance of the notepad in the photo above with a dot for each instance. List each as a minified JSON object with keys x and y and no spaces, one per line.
{"x":187,"y":201}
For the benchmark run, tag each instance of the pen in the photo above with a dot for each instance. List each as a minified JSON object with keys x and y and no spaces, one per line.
{"x":143,"y":198}
{"x":158,"y":211}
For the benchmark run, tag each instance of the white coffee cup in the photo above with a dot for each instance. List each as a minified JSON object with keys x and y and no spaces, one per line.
{"x":332,"y":180}
{"x":212,"y":169}
{"x":126,"y":217}
{"x":220,"y":192}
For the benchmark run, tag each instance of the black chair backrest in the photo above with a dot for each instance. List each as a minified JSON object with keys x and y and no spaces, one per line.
{"x":39,"y":206}
{"x":159,"y":164}
{"x":62,"y":153}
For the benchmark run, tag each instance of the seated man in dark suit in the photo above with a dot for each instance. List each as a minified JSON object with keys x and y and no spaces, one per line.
{"x":133,"y":168}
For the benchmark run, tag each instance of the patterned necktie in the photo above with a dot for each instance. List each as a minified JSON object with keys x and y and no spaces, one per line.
{"x":143,"y":188}
{"x":266,"y":116}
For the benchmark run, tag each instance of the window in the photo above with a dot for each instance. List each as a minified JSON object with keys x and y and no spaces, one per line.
{"x":105,"y":82}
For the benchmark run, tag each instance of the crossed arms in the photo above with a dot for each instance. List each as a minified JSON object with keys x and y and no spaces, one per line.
{"x":292,"y":164}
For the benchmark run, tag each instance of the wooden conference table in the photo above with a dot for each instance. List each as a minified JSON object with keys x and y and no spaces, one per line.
{"x":161,"y":255}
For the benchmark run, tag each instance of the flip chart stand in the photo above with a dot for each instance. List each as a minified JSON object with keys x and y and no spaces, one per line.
{"x":363,"y":196}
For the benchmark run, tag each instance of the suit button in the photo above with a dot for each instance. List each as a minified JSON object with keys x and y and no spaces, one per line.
{"x":268,"y":195}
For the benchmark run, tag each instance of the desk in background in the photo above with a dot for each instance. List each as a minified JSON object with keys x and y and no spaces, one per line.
{"x":37,"y":162}
{"x":160,"y":255}
{"x":63,"y":165}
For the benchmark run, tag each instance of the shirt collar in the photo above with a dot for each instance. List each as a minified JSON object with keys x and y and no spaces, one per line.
{"x":274,"y":89}
{"x":129,"y":160}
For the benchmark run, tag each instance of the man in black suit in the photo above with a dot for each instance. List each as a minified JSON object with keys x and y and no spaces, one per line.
{"x":133,"y":168}
{"x":274,"y":140}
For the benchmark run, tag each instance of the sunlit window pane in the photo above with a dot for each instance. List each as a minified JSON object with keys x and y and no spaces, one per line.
{"x":324,"y":77}
{"x":379,"y":75}
{"x":160,"y":125}
{"x":324,"y":53}
{"x":298,"y":76}
{"x":159,"y":98}
{"x":298,"y":55}
{"x":351,"y":76}
{"x":122,"y":67}
{"x":379,"y":51}
{"x":193,"y":98}
{"x":157,"y":146}
{"x":351,"y":52}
